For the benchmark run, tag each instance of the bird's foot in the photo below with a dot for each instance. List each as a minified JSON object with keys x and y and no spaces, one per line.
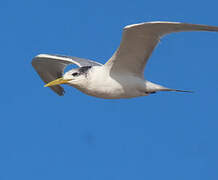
{"x":150,"y":92}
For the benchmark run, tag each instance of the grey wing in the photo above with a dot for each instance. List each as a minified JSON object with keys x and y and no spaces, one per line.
{"x":51,"y":67}
{"x":138,"y":42}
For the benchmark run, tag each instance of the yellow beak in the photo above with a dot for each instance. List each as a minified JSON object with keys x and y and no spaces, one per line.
{"x":57,"y":81}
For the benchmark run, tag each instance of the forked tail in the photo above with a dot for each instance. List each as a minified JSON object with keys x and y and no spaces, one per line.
{"x":152,"y":88}
{"x":176,"y":90}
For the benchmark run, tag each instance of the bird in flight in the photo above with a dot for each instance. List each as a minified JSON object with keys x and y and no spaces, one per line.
{"x":122,"y":76}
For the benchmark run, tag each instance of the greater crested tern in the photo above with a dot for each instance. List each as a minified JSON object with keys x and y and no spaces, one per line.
{"x":122,"y":76}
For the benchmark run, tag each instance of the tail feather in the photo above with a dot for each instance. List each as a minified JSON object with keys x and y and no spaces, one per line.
{"x":177,"y":90}
{"x":152,"y":87}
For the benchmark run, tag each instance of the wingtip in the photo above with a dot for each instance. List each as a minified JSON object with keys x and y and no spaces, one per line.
{"x":38,"y":56}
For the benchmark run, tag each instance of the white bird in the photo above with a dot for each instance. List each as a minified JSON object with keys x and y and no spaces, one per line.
{"x":122,"y":76}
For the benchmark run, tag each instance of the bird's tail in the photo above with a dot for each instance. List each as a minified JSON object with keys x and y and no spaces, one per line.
{"x":176,"y":90}
{"x":152,"y":87}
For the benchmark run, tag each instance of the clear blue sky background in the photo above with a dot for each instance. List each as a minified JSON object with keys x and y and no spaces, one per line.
{"x":170,"y":136}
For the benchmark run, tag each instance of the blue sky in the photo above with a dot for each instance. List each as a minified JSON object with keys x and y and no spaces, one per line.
{"x":163,"y":136}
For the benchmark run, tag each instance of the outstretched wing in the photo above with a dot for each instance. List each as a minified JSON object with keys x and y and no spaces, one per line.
{"x":51,"y":67}
{"x":138,"y":42}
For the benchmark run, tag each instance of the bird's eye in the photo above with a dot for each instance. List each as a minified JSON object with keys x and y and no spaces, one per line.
{"x":75,"y":74}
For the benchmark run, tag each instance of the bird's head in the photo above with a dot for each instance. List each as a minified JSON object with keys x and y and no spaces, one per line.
{"x":72,"y":77}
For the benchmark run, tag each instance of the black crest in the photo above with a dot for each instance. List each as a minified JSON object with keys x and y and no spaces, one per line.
{"x":84,"y":69}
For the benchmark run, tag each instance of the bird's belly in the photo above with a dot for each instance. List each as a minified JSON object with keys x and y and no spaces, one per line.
{"x":107,"y":93}
{"x":112,"y":89}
